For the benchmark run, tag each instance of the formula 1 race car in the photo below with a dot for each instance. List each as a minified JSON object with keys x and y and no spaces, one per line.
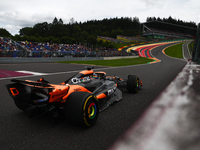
{"x":79,"y":99}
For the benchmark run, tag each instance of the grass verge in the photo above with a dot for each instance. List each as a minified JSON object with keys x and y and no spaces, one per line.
{"x":113,"y":62}
{"x":175,"y":51}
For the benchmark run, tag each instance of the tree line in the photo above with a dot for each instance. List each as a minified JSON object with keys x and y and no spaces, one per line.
{"x":74,"y":32}
{"x":86,"y":32}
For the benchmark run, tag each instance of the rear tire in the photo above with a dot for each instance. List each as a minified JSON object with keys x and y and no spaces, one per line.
{"x":82,"y":108}
{"x":133,"y":84}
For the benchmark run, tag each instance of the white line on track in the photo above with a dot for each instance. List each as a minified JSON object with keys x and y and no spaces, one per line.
{"x":31,"y":72}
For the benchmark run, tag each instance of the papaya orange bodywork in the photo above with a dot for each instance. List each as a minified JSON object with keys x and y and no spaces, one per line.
{"x":74,"y":88}
{"x":101,"y":72}
{"x":141,"y":84}
{"x":14,"y":91}
{"x":100,"y":96}
{"x":58,"y":93}
{"x":87,"y":72}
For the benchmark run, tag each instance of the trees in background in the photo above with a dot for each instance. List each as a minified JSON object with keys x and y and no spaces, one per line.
{"x":86,"y":32}
{"x":74,"y":32}
{"x":4,"y":33}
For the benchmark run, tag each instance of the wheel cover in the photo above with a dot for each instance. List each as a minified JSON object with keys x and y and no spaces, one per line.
{"x":137,"y":84}
{"x":92,"y":111}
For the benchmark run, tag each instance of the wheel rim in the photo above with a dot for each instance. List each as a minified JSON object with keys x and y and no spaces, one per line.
{"x":137,"y":84}
{"x":92,"y":111}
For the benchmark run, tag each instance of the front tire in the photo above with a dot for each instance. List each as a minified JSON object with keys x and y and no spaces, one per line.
{"x":133,"y":84}
{"x":82,"y":108}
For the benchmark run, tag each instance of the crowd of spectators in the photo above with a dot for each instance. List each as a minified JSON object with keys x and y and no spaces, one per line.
{"x":7,"y":45}
{"x":122,"y":39}
{"x":9,"y":48}
{"x":49,"y":49}
{"x":131,"y":39}
{"x":110,"y":39}
{"x":34,"y":46}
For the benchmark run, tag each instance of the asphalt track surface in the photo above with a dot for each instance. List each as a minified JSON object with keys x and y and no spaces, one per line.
{"x":186,"y":53}
{"x":17,"y":131}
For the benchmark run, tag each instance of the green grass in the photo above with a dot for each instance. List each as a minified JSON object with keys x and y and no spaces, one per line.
{"x":113,"y":62}
{"x":175,"y":51}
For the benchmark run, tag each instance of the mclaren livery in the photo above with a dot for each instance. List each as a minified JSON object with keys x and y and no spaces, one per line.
{"x":79,"y":99}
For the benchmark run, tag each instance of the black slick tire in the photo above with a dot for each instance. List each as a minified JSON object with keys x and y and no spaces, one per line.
{"x":133,"y":84}
{"x":82,"y":108}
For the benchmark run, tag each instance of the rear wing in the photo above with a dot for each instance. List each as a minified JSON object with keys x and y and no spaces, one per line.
{"x":38,"y":84}
{"x":28,"y":90}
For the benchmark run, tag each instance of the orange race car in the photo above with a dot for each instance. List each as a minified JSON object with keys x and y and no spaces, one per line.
{"x":79,"y":99}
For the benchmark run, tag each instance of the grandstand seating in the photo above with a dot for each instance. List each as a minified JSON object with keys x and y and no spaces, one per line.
{"x":127,"y":39}
{"x":109,"y":39}
{"x":156,"y":29}
{"x":9,"y":48}
{"x":121,"y":39}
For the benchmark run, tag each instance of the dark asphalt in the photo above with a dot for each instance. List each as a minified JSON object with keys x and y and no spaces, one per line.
{"x":17,"y":131}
